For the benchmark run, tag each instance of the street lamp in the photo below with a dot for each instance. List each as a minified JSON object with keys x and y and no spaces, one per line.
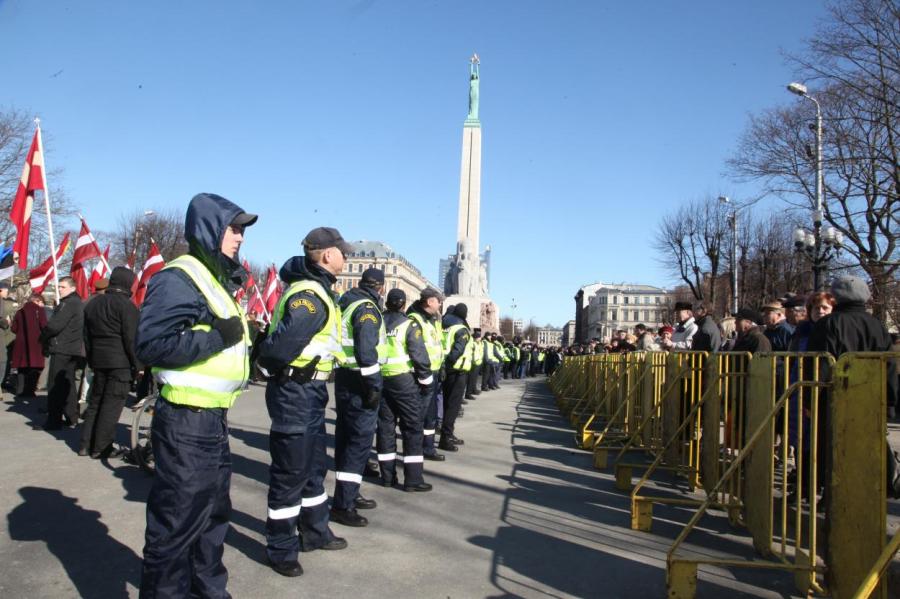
{"x":817,"y":254}
{"x":512,"y":324}
{"x":734,"y":265}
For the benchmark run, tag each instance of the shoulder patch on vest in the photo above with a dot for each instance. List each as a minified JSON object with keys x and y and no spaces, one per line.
{"x":302,"y":302}
{"x":368,"y":317}
{"x":418,"y":333}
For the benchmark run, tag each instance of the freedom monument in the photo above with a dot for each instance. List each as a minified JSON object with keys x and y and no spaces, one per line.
{"x":467,"y":281}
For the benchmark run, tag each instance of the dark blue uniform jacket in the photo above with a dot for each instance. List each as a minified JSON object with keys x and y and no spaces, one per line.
{"x":366,"y":321}
{"x":174,"y":304}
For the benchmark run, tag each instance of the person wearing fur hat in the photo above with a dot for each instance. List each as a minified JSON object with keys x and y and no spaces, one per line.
{"x":110,"y":325}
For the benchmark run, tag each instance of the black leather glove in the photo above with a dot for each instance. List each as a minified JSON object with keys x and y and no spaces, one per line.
{"x":371,"y":399}
{"x":231,"y":329}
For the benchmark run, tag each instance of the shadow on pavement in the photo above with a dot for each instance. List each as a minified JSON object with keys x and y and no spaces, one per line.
{"x":78,"y":539}
{"x":566,"y":528}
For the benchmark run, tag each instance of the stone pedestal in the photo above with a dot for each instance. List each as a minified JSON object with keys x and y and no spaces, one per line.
{"x":483,"y":313}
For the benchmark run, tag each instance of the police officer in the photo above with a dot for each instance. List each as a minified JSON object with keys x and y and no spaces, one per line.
{"x":427,"y":313}
{"x":357,"y":393}
{"x":488,"y":361}
{"x":457,"y":363}
{"x":194,"y":336}
{"x":498,"y":353}
{"x":297,"y":357}
{"x":406,"y":373}
{"x":472,"y":384}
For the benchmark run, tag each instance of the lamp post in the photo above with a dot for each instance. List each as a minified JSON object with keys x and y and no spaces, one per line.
{"x":734,"y":265}
{"x":811,"y":243}
{"x":512,"y":324}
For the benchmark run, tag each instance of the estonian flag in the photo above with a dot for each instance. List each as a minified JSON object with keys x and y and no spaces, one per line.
{"x":7,"y":263}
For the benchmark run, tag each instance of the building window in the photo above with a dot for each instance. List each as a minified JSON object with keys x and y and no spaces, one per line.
{"x":647,"y":315}
{"x":657,"y":299}
{"x":626,"y":299}
{"x":637,"y":315}
{"x":394,"y":283}
{"x":394,"y":269}
{"x":613,"y":315}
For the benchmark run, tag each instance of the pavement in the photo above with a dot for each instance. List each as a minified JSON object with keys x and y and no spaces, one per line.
{"x":517,"y":512}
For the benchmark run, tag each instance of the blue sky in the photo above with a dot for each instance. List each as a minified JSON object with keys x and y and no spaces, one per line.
{"x":598,"y":117}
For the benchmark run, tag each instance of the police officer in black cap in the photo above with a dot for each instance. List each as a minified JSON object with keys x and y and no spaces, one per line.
{"x":298,"y":356}
{"x":406,"y":371}
{"x":426,"y":311}
{"x":357,"y":392}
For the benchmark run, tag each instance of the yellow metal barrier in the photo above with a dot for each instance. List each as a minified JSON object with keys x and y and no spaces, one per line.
{"x":713,"y":422}
{"x":680,"y":423}
{"x":752,"y":433}
{"x":833,"y":417}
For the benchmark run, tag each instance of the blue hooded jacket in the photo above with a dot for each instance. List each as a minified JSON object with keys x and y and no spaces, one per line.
{"x":174,"y":304}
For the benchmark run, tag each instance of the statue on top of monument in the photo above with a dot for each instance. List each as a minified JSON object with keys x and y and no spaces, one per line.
{"x":473,"y":88}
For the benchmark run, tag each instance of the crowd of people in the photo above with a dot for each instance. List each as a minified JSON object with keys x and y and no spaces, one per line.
{"x":395,"y":362}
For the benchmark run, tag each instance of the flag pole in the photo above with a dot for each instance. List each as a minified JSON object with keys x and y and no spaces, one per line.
{"x":97,"y":247}
{"x":37,"y":123}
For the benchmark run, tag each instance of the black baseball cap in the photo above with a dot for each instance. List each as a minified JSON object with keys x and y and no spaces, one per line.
{"x":322,"y":238}
{"x":373,"y":275}
{"x":396,"y":296}
{"x":244,"y":219}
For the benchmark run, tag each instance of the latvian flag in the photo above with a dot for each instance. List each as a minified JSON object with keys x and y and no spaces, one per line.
{"x":152,"y":265}
{"x":43,"y":274}
{"x":20,"y":213}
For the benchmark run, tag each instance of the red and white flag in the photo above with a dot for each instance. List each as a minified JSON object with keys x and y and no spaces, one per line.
{"x":86,"y":246}
{"x":273,"y":290}
{"x":100,"y":271}
{"x":20,"y":213}
{"x":152,"y":265}
{"x":43,"y":274}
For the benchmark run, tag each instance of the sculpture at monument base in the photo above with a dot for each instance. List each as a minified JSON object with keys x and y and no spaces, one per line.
{"x":483,"y":313}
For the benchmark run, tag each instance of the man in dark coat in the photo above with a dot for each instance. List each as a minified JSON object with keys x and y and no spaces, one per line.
{"x":27,"y":354}
{"x":749,"y":338}
{"x":110,"y":324}
{"x":63,"y":340}
{"x":708,"y":338}
{"x":778,"y":329}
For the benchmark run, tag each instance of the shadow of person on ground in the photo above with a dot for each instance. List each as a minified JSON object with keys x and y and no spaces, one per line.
{"x":97,"y":564}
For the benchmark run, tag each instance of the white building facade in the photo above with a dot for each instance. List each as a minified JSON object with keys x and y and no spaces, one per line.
{"x":615,"y":307}
{"x":399,"y":273}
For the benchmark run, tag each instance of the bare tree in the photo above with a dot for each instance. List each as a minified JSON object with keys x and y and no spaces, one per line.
{"x":690,"y":243}
{"x":855,"y":61}
{"x":138,"y":229}
{"x":16,"y":133}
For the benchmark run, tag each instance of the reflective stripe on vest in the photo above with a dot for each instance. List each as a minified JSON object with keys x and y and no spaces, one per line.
{"x":432,"y":338}
{"x":347,"y":339}
{"x":398,"y":360}
{"x":326,"y":344}
{"x":216,"y":381}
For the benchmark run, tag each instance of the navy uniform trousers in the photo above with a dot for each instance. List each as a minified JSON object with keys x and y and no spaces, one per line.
{"x":353,"y":431}
{"x":454,"y":388}
{"x":429,"y":403}
{"x":401,"y":401}
{"x":298,"y":504}
{"x":189,"y":506}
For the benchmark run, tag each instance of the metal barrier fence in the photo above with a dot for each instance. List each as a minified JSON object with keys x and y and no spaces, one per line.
{"x":762,"y":436}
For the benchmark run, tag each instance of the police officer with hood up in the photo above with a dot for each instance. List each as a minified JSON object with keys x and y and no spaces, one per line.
{"x":406,"y":372}
{"x":194,"y":336}
{"x":357,"y":394}
{"x":298,"y":356}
